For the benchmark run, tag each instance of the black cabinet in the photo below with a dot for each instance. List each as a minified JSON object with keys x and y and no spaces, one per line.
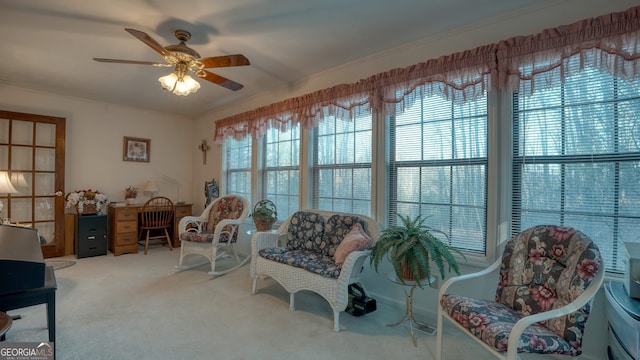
{"x":91,"y":236}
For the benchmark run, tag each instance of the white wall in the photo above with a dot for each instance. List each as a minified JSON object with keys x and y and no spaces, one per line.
{"x":544,"y":15}
{"x":94,"y":143}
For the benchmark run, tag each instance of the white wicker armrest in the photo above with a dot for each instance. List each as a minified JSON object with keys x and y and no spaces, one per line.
{"x":352,"y":264}
{"x":195,"y":221}
{"x":488,"y":271}
{"x":586,"y":296}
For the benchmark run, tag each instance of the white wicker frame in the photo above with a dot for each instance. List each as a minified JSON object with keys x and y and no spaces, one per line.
{"x":587,"y":296}
{"x":210,"y":250}
{"x":294,"y":279}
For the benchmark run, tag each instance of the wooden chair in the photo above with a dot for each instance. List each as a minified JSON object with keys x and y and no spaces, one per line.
{"x":156,"y":218}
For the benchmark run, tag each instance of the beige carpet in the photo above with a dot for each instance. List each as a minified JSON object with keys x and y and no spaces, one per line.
{"x":135,"y":307}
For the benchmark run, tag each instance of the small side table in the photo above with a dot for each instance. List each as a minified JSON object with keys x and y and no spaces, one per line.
{"x":428,"y":329}
{"x":5,"y":324}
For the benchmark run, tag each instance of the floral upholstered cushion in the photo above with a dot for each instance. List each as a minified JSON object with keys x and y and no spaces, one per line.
{"x":546,"y":267}
{"x":543,"y":268}
{"x":492,"y":322}
{"x":338,"y":226}
{"x":204,"y":237}
{"x":305,"y":231}
{"x":309,"y":260}
{"x":230,"y":207}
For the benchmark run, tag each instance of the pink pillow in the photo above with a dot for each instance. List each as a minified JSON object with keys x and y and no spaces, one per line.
{"x":356,"y":240}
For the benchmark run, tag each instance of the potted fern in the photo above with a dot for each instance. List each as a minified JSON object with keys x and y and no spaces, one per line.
{"x":411,"y":248}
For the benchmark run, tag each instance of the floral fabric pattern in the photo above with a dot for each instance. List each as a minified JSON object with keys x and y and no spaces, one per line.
{"x":204,"y":237}
{"x":543,"y":268}
{"x":226,"y":208}
{"x":337,"y":227}
{"x":306,"y":230}
{"x":309,"y":260}
{"x":492,"y":323}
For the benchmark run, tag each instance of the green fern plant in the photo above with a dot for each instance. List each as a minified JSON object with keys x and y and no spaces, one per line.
{"x":414,"y":245}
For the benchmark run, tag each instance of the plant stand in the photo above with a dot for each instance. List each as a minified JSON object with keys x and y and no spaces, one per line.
{"x":408,"y":316}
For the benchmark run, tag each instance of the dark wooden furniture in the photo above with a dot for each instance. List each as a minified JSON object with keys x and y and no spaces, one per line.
{"x":5,"y":324}
{"x":91,"y":236}
{"x":44,"y":295}
{"x":124,"y":222}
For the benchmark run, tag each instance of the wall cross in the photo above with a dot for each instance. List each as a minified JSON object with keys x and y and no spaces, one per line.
{"x":204,"y":148}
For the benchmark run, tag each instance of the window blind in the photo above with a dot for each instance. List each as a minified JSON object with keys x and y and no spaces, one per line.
{"x":577,"y":160}
{"x":438,"y":168}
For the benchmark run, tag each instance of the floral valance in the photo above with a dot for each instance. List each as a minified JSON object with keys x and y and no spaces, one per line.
{"x":609,"y":43}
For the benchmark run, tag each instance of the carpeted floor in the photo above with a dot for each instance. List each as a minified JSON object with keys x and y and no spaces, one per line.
{"x":135,"y":307}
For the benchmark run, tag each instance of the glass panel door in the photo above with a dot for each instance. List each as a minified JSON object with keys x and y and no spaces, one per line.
{"x":32,"y":150}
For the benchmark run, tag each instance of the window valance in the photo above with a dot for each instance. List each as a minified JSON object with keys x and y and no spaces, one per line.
{"x":609,"y":43}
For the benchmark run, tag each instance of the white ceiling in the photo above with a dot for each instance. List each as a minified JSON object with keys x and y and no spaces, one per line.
{"x":49,"y":45}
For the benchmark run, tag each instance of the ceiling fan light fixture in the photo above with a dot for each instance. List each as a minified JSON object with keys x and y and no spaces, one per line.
{"x":179,"y":83}
{"x":186,"y":86}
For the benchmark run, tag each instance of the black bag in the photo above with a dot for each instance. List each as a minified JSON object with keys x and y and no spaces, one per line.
{"x":359,"y":303}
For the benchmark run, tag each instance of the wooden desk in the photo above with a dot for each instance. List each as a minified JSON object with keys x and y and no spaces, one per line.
{"x":123,"y":226}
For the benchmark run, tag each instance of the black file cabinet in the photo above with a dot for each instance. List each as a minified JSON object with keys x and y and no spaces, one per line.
{"x":91,"y":236}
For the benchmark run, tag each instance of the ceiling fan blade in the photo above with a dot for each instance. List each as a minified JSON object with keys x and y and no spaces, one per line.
{"x":217,"y":79}
{"x":142,"y":36}
{"x":224,"y":61}
{"x":130,"y":62}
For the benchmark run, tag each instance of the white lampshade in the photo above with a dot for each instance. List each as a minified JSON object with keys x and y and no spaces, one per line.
{"x":5,"y":187}
{"x":18,"y":180}
{"x":179,"y":83}
{"x":186,"y":86}
{"x":5,"y":184}
{"x":169,"y":81}
{"x":150,"y":187}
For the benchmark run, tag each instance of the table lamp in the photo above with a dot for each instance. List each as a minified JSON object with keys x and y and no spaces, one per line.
{"x":150,"y":189}
{"x":5,"y":187}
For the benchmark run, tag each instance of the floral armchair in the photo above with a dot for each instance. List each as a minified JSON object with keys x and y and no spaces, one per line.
{"x":548,"y":278}
{"x":215,"y":228}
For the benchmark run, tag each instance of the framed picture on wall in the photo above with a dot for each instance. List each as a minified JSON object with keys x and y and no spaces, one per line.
{"x":136,"y":149}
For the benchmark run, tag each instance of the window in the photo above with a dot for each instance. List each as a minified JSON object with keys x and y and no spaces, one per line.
{"x":438,"y":168}
{"x":238,"y":167}
{"x":342,"y":165}
{"x":577,"y":160}
{"x":281,"y":170}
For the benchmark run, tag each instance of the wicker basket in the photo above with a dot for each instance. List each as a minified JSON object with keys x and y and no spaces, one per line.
{"x":263,"y":224}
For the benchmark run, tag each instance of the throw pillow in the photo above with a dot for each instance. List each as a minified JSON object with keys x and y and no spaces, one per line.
{"x":356,"y":240}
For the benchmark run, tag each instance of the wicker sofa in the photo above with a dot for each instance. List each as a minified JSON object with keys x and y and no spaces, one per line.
{"x":324,"y":253}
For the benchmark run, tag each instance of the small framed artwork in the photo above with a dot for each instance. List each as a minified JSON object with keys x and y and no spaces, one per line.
{"x":136,"y":149}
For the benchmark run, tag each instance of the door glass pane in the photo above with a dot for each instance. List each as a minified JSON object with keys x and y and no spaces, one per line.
{"x":45,"y":159}
{"x":44,"y":184}
{"x":21,"y":158}
{"x":45,"y":134}
{"x":4,"y":131}
{"x":46,"y":232}
{"x":4,"y":157}
{"x":44,"y":208}
{"x":21,"y":210}
{"x":22,"y":133}
{"x":22,"y":182}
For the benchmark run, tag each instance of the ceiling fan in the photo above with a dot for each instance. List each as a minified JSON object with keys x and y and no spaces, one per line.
{"x":185,"y":60}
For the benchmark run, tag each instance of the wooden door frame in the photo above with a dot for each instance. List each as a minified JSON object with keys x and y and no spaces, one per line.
{"x":58,"y":247}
